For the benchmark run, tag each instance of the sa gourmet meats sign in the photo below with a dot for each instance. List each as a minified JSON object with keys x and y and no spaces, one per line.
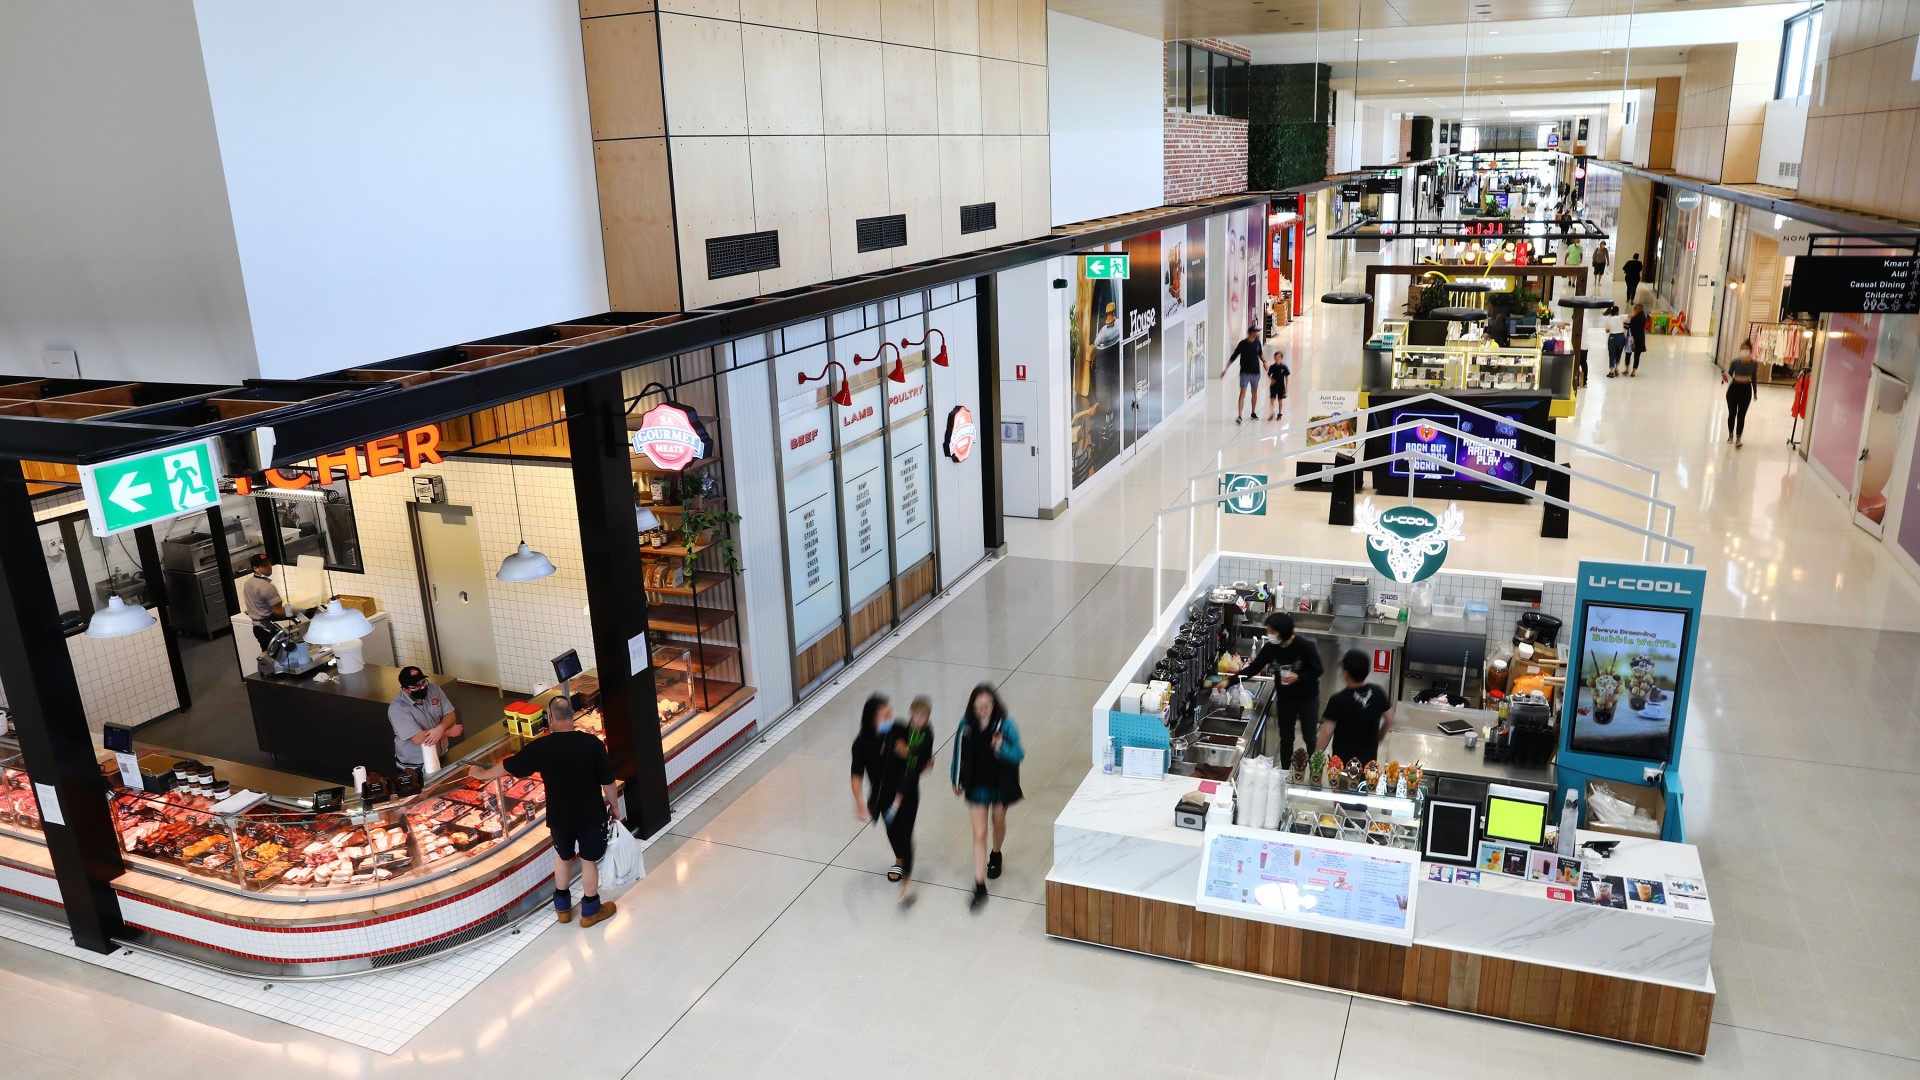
{"x":960,"y":433}
{"x":671,"y":436}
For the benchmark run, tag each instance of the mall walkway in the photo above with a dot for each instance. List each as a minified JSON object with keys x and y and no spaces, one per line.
{"x":766,"y":941}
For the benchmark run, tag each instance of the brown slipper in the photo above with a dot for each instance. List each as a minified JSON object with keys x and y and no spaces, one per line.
{"x":564,"y":916}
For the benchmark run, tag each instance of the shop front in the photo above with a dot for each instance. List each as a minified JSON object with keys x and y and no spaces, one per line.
{"x":1436,"y":872}
{"x":509,"y":553}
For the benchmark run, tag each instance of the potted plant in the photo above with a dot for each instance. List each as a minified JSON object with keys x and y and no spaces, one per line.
{"x":698,"y":523}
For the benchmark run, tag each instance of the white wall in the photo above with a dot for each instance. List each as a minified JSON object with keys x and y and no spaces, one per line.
{"x":1636,"y":138}
{"x":958,"y":489}
{"x":115,"y":238}
{"x":1782,"y":140}
{"x":401,"y":176}
{"x":1107,"y":117}
{"x":753,"y":481}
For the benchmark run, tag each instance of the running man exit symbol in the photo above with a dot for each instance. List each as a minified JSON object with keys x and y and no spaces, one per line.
{"x":1109,"y":267}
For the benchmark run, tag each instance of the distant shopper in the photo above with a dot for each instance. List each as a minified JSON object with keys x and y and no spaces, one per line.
{"x":582,"y":803}
{"x":1630,"y":273}
{"x":907,"y":753}
{"x":1739,"y":379}
{"x":261,"y":599}
{"x":1601,"y":259}
{"x":1248,"y":353}
{"x":1637,"y":331}
{"x":1357,"y":717}
{"x":1574,"y":253}
{"x":1616,"y":328}
{"x":420,"y":714}
{"x":876,"y":716}
{"x":1296,"y":681}
{"x":986,"y":772}
{"x":1277,"y":374}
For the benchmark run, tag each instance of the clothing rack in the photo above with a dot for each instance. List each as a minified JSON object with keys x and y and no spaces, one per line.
{"x":1780,"y":348}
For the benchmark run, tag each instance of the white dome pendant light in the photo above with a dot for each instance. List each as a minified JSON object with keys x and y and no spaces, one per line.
{"x":525,"y":564}
{"x":118,"y":619}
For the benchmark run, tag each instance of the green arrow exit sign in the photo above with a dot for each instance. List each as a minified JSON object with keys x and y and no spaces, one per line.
{"x":1113,"y":267}
{"x":129,"y":492}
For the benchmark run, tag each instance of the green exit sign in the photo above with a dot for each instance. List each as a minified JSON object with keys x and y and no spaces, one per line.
{"x":129,"y":492}
{"x":1113,"y":267}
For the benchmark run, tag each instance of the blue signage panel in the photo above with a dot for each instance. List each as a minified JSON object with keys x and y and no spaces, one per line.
{"x":1629,"y":672}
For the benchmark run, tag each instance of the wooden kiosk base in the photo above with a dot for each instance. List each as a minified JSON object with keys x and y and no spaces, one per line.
{"x":1650,"y":1014}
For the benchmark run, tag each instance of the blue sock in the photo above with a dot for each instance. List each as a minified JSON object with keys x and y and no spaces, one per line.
{"x":590,"y":906}
{"x":562,"y":899}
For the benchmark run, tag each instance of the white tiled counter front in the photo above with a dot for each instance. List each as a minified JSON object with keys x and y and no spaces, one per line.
{"x":1117,"y":834}
{"x":1513,"y":919}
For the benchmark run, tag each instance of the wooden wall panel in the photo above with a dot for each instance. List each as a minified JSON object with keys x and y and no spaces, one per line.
{"x":916,"y":584}
{"x":623,"y":77}
{"x":1630,"y":1011}
{"x":872,"y":618}
{"x":819,"y":658}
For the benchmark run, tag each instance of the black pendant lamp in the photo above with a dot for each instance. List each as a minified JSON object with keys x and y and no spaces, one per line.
{"x":1458,"y":314}
{"x":1587,"y":303}
{"x":1468,"y":287}
{"x":1347,"y":298}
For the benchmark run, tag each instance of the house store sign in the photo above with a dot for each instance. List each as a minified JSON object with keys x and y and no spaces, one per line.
{"x":671,"y":436}
{"x":1406,"y":543}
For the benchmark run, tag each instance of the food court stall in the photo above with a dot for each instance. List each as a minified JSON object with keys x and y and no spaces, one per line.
{"x":1513,"y":866}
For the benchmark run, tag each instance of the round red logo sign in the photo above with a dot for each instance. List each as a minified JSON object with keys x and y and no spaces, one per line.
{"x":670,"y":437}
{"x":960,"y":433}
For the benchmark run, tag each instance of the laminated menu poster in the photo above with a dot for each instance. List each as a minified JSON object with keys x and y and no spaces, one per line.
{"x":1602,"y":891}
{"x":1648,"y":895}
{"x":1360,"y":890}
{"x":1687,"y":899}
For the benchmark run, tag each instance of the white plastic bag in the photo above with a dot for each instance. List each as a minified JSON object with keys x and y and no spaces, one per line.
{"x":625,"y":860}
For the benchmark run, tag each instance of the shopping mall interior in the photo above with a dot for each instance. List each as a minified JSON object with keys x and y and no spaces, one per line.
{"x":1520,"y":396}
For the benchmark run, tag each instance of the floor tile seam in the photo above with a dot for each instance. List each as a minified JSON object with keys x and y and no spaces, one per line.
{"x":1021,"y":667}
{"x":1814,"y":1042}
{"x":961,"y":889}
{"x":745,"y":847}
{"x":695,"y":1003}
{"x":1828,"y":764}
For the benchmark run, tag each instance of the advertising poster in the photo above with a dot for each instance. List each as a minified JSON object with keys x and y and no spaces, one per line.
{"x":1256,"y":267}
{"x":1330,"y":417}
{"x":1140,"y":295}
{"x":1196,"y":289}
{"x":1236,"y":274}
{"x":1361,"y":890}
{"x":1846,"y":373}
{"x":1173,"y":275}
{"x":1631,"y":659}
{"x":1436,"y":448}
{"x":806,"y":466}
{"x":1093,"y":353}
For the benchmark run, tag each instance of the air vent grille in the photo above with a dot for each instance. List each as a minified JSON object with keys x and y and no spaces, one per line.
{"x":730,"y":256}
{"x":980,"y":217}
{"x":879,"y":233}
{"x":1789,"y":168}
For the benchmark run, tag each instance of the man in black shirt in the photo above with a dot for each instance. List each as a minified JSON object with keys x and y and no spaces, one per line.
{"x":1358,"y":717}
{"x":1296,"y":682}
{"x":581,"y":797}
{"x":1630,"y":273}
{"x":1248,"y":353}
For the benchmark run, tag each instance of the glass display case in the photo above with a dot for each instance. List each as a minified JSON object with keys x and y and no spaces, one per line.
{"x":279,"y":849}
{"x":673,"y":686}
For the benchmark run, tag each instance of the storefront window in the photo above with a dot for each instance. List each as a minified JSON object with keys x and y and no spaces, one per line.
{"x":317,"y":520}
{"x":812,"y":515}
{"x":1799,"y":38}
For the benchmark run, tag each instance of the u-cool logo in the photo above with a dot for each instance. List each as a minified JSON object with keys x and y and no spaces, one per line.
{"x":1638,"y":585}
{"x":1407,"y":543}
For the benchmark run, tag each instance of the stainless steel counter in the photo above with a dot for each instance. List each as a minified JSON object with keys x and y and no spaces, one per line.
{"x":1448,"y":755}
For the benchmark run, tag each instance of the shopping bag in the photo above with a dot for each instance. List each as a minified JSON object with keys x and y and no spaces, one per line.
{"x":625,"y":862}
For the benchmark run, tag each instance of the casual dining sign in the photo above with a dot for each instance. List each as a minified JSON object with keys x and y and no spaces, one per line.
{"x":1864,"y":284}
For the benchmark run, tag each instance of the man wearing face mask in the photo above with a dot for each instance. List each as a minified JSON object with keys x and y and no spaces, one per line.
{"x":420,"y":714}
{"x":1296,"y":682}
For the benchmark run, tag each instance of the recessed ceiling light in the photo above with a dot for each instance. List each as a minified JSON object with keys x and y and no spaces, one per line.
{"x":1393,"y":61}
{"x":1359,"y":39}
{"x":1492,"y":32}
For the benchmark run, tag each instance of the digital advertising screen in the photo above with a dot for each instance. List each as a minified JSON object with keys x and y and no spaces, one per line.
{"x":1490,"y":457}
{"x":1632,"y":661}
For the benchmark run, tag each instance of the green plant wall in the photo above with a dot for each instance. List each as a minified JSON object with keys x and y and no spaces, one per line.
{"x":1422,"y":138}
{"x":1290,"y":114}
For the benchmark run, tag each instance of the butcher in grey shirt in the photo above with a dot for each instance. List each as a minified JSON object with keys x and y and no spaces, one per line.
{"x":260,"y":599}
{"x":420,"y":713}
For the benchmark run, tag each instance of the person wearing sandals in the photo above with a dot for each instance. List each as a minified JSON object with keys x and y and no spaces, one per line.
{"x":986,"y":772}
{"x":907,"y":752}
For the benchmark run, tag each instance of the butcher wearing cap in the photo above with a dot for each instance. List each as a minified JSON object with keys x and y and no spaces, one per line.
{"x":420,"y":714}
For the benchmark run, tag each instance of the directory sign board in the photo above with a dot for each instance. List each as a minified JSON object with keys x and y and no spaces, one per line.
{"x":1855,"y":283}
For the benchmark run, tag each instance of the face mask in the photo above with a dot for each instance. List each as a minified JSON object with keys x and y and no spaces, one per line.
{"x":1275,"y":638}
{"x":417,"y":693}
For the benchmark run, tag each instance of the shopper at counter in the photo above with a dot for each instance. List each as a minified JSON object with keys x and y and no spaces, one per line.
{"x":1296,"y":689}
{"x":582,"y":802}
{"x":986,"y":772}
{"x":1358,"y":717}
{"x":420,"y":714}
{"x":261,"y":599}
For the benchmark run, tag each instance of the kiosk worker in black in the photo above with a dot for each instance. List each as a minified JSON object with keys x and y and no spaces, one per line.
{"x":581,"y":798}
{"x":1296,"y":680}
{"x":1358,"y":717}
{"x":420,"y":713}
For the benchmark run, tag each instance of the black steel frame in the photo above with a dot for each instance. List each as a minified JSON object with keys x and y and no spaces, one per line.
{"x":1457,"y":229}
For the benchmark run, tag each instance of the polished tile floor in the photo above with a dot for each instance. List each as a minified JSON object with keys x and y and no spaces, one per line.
{"x":765,"y":941}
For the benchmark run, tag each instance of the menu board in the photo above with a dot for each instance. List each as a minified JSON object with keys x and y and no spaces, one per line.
{"x":813,"y":552}
{"x":1855,"y":283}
{"x":1359,"y":890}
{"x":863,"y":505}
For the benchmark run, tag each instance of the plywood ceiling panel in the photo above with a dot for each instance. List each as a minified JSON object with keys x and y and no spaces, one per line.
{"x":1173,"y":19}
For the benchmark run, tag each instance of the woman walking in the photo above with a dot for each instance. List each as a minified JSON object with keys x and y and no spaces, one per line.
{"x":986,"y":772}
{"x":1601,"y":257}
{"x":1616,"y":331}
{"x":1739,"y":379}
{"x":1637,"y":330}
{"x":876,"y":716}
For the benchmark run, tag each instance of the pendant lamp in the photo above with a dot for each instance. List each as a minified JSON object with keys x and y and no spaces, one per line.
{"x":118,"y":619}
{"x":337,"y":625}
{"x":525,"y":564}
{"x":1458,"y":314}
{"x":1347,"y":298}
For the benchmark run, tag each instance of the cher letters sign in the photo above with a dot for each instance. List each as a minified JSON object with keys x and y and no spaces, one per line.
{"x":1406,"y":543}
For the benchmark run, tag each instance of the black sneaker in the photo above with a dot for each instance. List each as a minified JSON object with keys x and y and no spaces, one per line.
{"x":1236,"y":418}
{"x":979,"y":896}
{"x":993,"y":864}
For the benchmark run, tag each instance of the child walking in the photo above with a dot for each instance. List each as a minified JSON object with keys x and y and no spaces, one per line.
{"x":1277,"y":373}
{"x":908,"y":754}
